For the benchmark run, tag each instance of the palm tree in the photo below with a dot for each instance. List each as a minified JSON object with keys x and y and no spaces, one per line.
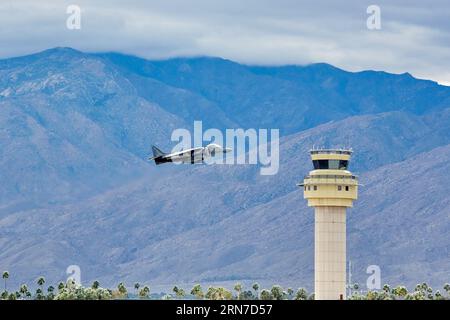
{"x":197,"y":291}
{"x":372,"y":295}
{"x":38,"y":293}
{"x":447,"y":288}
{"x":265,"y":295}
{"x":256,"y":288}
{"x":238,"y":289}
{"x":400,"y":292}
{"x":430,"y":293}
{"x":277,"y":292}
{"x":179,"y":292}
{"x":41,"y":281}
{"x":122,"y":290}
{"x":219,"y":293}
{"x":136,"y":286}
{"x":144,"y":292}
{"x":247,"y":295}
{"x":301,"y":294}
{"x":290,"y":292}
{"x":95,"y":285}
{"x":5,"y":277}
{"x":24,"y":290}
{"x":50,"y":294}
{"x":175,"y":290}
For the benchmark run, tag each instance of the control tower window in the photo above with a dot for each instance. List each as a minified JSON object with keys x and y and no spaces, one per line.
{"x":346,"y":188}
{"x":330,"y":164}
{"x":343,"y":164}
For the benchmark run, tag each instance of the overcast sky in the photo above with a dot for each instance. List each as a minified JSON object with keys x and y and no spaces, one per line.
{"x":414,"y":35}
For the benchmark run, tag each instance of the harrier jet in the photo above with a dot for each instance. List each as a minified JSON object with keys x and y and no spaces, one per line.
{"x":194,"y":155}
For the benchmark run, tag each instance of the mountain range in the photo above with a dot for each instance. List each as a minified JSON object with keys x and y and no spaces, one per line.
{"x":76,"y":129}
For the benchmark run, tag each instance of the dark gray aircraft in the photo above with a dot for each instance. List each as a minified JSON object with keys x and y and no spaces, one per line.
{"x":192,"y":156}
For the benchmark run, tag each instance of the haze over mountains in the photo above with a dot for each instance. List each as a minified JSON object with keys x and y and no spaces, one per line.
{"x":76,"y":129}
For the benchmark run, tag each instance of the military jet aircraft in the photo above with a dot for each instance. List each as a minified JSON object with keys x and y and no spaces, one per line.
{"x":192,"y":156}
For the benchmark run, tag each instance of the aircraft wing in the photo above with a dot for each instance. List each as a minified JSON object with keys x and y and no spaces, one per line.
{"x":181,"y":153}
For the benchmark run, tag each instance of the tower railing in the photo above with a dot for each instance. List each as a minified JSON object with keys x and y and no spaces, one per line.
{"x":331,"y":176}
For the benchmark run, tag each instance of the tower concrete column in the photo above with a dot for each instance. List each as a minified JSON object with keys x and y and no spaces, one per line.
{"x":329,"y":253}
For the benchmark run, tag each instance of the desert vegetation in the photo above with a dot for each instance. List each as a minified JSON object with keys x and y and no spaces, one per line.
{"x":71,"y":291}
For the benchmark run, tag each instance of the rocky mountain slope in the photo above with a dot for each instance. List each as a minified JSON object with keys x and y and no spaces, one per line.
{"x":76,"y":189}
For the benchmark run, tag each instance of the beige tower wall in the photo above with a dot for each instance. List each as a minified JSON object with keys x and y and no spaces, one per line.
{"x":330,"y":253}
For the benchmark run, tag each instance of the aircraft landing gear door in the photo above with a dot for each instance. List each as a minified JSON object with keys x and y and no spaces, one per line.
{"x":196,"y":156}
{"x":192,"y":157}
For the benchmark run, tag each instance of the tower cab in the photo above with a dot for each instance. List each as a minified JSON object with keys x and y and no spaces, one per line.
{"x":330,"y":183}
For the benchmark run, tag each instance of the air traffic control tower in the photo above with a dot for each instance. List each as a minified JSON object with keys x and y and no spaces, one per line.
{"x":330,"y":188}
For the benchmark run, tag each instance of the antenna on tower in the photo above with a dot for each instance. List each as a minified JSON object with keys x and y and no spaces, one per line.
{"x":349,"y":285}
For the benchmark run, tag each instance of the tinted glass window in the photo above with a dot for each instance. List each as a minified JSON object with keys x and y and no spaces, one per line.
{"x":333,"y":164}
{"x":320,"y":164}
{"x":343,"y":164}
{"x":330,"y":164}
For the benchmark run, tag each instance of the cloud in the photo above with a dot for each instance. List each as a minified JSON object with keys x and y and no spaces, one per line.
{"x":414,"y":35}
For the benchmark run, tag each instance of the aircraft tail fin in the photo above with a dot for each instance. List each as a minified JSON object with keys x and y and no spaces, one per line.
{"x":157,"y":153}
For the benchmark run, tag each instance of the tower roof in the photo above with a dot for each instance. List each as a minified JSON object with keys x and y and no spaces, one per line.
{"x":331,"y":151}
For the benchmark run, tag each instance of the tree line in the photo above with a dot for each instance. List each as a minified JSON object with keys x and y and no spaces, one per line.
{"x":72,"y":291}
